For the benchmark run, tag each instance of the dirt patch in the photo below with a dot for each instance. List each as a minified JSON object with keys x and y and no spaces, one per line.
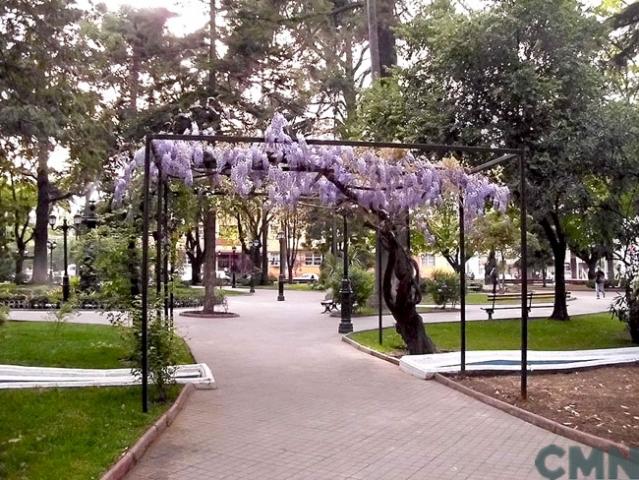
{"x":602,"y":401}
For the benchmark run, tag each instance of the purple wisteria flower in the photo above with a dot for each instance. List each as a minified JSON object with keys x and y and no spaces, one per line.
{"x":288,"y":171}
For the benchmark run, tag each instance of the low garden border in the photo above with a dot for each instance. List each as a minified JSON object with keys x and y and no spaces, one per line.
{"x":134,"y":454}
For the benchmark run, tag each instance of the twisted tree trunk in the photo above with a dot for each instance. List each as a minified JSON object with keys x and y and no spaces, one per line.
{"x":402,"y":295}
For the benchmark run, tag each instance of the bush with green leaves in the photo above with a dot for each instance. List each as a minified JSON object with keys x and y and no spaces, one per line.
{"x":162,"y":349}
{"x":443,"y":287}
{"x":117,"y":267}
{"x":362,"y":284}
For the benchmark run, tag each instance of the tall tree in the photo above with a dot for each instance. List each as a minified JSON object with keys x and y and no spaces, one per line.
{"x":519,"y":74}
{"x":43,"y":69}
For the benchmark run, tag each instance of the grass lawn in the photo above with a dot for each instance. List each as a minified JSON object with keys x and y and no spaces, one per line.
{"x":472,"y":298}
{"x":581,"y":332}
{"x":71,"y":433}
{"x":51,"y":344}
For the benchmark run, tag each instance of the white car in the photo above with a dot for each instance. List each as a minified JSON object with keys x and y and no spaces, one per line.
{"x":306,"y":278}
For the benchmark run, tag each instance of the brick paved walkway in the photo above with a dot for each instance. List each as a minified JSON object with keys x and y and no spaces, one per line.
{"x":294,"y":402}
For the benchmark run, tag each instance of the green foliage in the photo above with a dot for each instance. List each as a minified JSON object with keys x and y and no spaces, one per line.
{"x":443,"y":287}
{"x":381,"y":112}
{"x":362,"y":281}
{"x":162,"y":356}
{"x":582,"y":332}
{"x":4,"y":315}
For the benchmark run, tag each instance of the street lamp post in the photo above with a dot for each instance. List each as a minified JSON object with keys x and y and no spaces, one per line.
{"x":280,"y":281}
{"x":254,"y":248}
{"x":51,"y":245}
{"x":346,"y":292}
{"x":65,"y":227}
{"x":233,"y":266}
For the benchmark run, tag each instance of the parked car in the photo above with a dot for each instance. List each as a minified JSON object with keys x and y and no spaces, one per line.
{"x":306,"y":278}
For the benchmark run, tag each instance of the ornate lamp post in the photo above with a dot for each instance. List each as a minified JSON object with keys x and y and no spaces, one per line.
{"x":346,"y":292}
{"x":51,"y":245}
{"x":233,"y":266}
{"x":255,"y":244}
{"x":65,"y":227}
{"x":280,"y":281}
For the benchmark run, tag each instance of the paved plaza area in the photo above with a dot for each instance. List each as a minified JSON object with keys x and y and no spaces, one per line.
{"x":294,"y":402}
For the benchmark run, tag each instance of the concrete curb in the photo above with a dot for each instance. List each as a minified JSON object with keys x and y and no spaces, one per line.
{"x":133,"y":455}
{"x":374,"y":353}
{"x":537,"y":420}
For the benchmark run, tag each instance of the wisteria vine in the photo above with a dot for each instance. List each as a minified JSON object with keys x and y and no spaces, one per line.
{"x":289,"y":170}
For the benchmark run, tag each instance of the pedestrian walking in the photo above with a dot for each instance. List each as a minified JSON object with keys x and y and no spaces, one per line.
{"x":600,"y":280}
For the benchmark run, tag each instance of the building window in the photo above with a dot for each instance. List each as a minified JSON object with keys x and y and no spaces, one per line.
{"x":274,"y":259}
{"x":428,"y":260}
{"x":313,"y":259}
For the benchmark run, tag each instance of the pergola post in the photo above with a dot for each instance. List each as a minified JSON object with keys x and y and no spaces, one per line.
{"x":380,"y":286}
{"x":462,"y":282}
{"x":524,"y":275}
{"x":145,"y":276}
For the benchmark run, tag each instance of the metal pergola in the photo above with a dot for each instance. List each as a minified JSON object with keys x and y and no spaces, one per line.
{"x":500,"y":156}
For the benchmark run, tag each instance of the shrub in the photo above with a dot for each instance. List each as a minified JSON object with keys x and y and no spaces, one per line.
{"x":362,"y":284}
{"x":443,"y":287}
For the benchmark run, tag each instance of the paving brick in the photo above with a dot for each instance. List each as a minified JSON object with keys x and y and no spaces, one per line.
{"x":294,"y":402}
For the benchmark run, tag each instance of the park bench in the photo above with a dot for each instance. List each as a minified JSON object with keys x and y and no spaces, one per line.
{"x":493,"y":298}
{"x":330,"y":304}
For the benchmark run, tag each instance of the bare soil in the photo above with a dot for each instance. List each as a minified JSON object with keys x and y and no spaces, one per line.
{"x":601,"y":401}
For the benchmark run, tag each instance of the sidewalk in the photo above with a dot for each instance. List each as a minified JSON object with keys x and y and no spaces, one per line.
{"x":585,"y":302}
{"x":294,"y":402}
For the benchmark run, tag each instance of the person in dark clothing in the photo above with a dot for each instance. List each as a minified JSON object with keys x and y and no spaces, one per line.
{"x":600,"y":279}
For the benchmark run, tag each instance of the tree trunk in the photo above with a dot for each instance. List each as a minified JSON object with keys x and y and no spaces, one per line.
{"x":41,"y":230}
{"x":557,"y":241}
{"x":402,"y":294}
{"x":210,"y":272}
{"x":134,"y":81}
{"x":560,"y":310}
{"x":386,"y":22}
{"x":212,"y":81}
{"x":289,"y":267}
{"x":196,"y":269}
{"x":19,"y":268}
